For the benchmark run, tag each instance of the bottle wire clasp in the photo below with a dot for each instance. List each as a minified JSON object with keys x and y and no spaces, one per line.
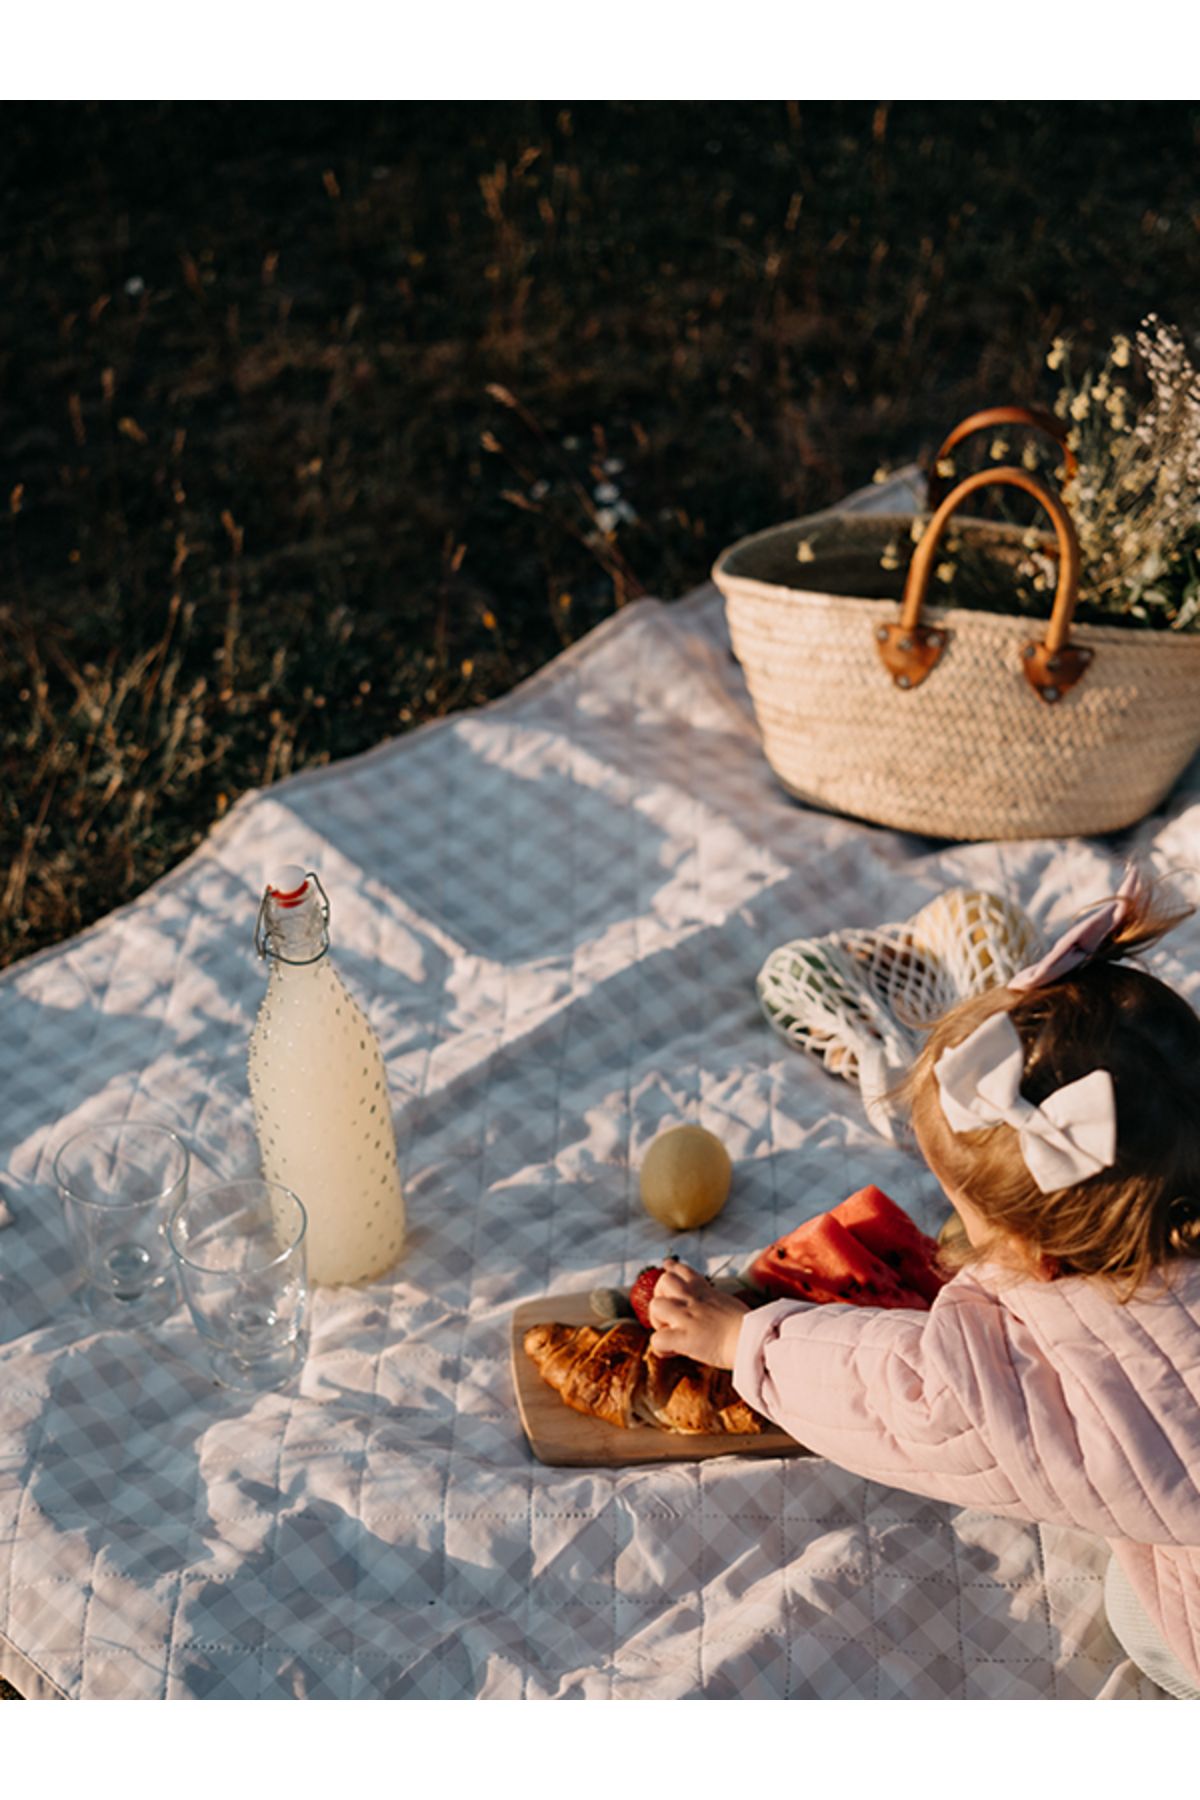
{"x":261,"y":936}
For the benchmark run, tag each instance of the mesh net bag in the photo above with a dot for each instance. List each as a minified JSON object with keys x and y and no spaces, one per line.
{"x":858,"y":1000}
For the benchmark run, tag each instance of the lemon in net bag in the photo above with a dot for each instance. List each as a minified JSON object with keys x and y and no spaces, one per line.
{"x":859,"y":1000}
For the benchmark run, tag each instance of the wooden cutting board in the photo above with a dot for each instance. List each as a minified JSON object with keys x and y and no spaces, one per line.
{"x":564,"y":1438}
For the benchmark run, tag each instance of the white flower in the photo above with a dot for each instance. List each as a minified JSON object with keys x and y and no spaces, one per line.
{"x":945,"y":571}
{"x":1187,"y":611}
{"x":1058,"y":351}
{"x":1000,"y":448}
{"x":135,"y":286}
{"x":613,"y":466}
{"x":1029,"y":457}
{"x":1079,"y":406}
{"x":606,"y":493}
{"x":1120,"y":352}
{"x":804,"y":550}
{"x":890,"y":558}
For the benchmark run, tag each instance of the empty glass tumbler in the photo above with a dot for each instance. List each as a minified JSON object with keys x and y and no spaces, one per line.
{"x":119,"y":1183}
{"x":239,"y":1248}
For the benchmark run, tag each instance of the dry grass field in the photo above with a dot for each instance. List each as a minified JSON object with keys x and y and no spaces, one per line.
{"x":321,"y":420}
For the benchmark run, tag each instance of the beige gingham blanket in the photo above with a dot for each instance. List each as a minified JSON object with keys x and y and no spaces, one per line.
{"x":553,"y":909}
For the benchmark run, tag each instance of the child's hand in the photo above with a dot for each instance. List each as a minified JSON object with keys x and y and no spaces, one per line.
{"x":692,"y":1318}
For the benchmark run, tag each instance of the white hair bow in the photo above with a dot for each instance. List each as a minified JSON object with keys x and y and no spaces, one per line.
{"x":1072,"y":1135}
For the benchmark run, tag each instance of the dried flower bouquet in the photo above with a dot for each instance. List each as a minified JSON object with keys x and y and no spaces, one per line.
{"x":1134,"y":495}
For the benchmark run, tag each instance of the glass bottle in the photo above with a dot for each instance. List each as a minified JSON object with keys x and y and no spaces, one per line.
{"x":319,"y":1089}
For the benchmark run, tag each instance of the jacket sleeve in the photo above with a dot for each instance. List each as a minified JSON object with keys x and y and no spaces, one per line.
{"x":959,"y":1404}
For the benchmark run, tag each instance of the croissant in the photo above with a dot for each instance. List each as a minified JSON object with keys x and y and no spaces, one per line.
{"x":615,"y":1376}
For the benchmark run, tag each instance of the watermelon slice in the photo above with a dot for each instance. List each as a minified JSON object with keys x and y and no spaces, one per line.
{"x":866,"y":1252}
{"x":886,"y":1230}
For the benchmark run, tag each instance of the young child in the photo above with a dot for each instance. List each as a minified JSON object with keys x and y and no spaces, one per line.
{"x":1057,"y":1376}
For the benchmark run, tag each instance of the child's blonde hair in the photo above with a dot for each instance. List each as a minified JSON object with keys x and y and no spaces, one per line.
{"x":1143,"y":1211}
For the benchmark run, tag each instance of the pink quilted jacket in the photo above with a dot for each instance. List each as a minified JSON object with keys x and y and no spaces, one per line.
{"x":1035,"y":1400}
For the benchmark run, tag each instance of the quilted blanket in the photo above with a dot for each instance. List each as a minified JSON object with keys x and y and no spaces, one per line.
{"x":553,"y":910}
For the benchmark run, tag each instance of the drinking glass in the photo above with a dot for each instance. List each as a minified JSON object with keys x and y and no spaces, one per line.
{"x":119,"y":1182}
{"x":239,"y":1249}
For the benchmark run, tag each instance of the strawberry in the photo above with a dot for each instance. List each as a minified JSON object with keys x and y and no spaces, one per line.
{"x":640,"y":1292}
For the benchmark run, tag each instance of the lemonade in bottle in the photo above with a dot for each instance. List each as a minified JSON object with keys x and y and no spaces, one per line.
{"x":319,"y":1088}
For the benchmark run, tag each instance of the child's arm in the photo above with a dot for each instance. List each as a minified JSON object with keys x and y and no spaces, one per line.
{"x":961,"y":1403}
{"x":846,"y":1381}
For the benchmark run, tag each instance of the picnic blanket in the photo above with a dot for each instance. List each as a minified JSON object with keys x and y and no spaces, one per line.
{"x":553,"y":909}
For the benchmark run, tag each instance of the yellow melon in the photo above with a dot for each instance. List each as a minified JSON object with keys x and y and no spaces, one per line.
{"x":685,"y":1177}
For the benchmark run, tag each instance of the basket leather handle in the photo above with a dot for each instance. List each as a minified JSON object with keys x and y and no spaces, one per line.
{"x":910,"y":650}
{"x":999,"y":415}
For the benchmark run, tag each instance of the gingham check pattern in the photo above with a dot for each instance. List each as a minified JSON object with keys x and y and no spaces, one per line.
{"x":553,"y":909}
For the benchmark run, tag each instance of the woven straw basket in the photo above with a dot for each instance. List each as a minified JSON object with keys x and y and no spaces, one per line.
{"x":951,"y":722}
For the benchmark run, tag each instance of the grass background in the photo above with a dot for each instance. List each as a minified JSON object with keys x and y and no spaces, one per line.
{"x":305,"y":407}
